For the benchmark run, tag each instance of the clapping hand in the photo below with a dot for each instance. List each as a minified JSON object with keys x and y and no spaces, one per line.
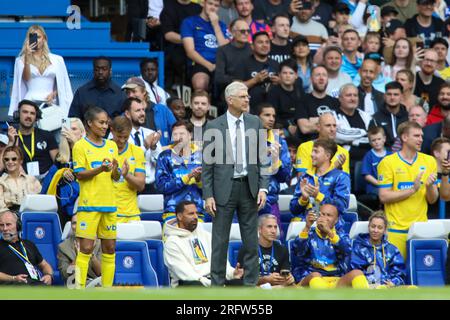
{"x":125,"y":168}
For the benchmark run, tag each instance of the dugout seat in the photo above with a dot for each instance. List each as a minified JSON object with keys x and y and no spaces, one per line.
{"x":44,"y":230}
{"x":133,"y":265}
{"x":427,"y":253}
{"x":233,"y":251}
{"x":359,"y":227}
{"x":151,"y":206}
{"x":153,"y":237}
{"x":293,"y":231}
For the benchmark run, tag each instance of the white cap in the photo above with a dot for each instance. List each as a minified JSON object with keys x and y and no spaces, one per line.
{"x":4,"y":138}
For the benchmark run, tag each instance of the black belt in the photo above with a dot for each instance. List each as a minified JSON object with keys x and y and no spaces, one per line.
{"x":240,"y":179}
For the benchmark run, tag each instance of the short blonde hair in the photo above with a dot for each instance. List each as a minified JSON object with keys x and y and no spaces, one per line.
{"x":233,"y":88}
{"x":79,"y":124}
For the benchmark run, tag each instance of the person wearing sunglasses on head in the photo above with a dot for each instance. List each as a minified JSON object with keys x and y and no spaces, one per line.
{"x":14,"y":183}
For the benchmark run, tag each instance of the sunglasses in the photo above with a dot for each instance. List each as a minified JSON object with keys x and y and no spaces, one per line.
{"x":10,"y":159}
{"x":243,"y":31}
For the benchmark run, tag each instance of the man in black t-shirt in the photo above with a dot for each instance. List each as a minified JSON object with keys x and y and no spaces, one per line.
{"x":174,"y":12}
{"x":265,"y":10}
{"x":274,"y":265}
{"x":20,"y":260}
{"x":281,"y":48}
{"x":38,"y":146}
{"x":287,"y":97}
{"x":315,"y":103}
{"x":427,"y":84}
{"x":259,"y":72}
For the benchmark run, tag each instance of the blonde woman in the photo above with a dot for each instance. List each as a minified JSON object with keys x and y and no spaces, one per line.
{"x":407,"y":79}
{"x":15,"y":184}
{"x":39,"y":75}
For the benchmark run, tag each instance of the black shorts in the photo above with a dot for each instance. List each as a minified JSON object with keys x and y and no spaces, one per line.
{"x":196,"y":68}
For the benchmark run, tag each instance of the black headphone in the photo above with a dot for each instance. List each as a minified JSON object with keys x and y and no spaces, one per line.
{"x":16,"y":114}
{"x":19,"y":224}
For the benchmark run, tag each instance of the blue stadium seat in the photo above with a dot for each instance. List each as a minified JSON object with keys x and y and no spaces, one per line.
{"x":349,"y":218}
{"x":133,"y":266}
{"x":233,"y":251}
{"x":44,"y":230}
{"x":156,"y":252}
{"x":151,"y":206}
{"x":427,"y":253}
{"x":359,"y":182}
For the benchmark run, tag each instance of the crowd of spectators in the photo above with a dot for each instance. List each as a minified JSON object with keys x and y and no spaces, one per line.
{"x":345,"y":90}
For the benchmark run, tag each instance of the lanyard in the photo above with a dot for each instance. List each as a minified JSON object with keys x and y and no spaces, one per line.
{"x":24,"y":256}
{"x":30,"y":154}
{"x":261,"y":265}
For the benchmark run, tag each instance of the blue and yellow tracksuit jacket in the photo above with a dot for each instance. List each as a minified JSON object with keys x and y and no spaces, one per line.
{"x":282,"y":174}
{"x":334,"y":188}
{"x":329,"y":257}
{"x":379,"y":264}
{"x":171,"y":178}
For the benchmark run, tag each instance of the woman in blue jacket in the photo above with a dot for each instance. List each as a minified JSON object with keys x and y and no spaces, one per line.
{"x":379,"y":260}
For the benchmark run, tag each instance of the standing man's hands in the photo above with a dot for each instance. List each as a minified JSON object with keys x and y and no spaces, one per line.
{"x":262,"y":196}
{"x":210,"y":206}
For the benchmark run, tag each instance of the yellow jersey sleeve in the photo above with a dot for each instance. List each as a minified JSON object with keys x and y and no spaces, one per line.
{"x":140,"y":160}
{"x":385,"y":174}
{"x":303,"y":159}
{"x":79,"y":157}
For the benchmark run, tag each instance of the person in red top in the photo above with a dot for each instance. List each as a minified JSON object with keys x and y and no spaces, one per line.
{"x":442,"y":109}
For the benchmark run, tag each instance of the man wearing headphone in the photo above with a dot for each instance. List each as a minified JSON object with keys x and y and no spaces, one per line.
{"x":39,"y":146}
{"x":20,"y":260}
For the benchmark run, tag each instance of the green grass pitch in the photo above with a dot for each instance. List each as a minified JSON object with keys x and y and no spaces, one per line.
{"x":53,"y":293}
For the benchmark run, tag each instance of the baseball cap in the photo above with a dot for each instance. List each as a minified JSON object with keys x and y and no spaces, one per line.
{"x":341,"y":8}
{"x":388,"y":10}
{"x":300,"y":39}
{"x":374,"y":56}
{"x":133,"y":83}
{"x":423,"y":2}
{"x":393,"y":25}
{"x":439,"y":40}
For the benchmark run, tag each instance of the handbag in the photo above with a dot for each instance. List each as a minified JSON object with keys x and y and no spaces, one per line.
{"x":51,"y":117}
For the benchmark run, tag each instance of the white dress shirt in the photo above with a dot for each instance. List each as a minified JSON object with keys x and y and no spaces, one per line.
{"x":231,"y":120}
{"x":156,"y":94}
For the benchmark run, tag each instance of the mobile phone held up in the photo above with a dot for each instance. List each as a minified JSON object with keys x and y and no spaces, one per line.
{"x":33,"y":38}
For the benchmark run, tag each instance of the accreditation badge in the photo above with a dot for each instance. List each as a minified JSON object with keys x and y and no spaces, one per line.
{"x":32,"y":271}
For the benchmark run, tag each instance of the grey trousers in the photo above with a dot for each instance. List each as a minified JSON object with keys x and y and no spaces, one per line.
{"x":243,"y":202}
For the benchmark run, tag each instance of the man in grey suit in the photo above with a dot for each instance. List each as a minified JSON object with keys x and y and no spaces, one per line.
{"x":233,"y":180}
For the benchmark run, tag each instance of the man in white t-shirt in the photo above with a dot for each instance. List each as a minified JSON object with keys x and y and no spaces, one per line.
{"x":332,"y":60}
{"x":304,"y":25}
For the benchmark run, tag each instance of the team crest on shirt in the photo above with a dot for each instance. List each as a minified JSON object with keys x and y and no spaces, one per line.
{"x":83,"y":225}
{"x":422,"y":168}
{"x":380,"y":177}
{"x":132,"y":160}
{"x":41,"y":145}
{"x":111,"y":150}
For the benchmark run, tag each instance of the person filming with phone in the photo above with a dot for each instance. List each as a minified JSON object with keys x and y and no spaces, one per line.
{"x":274,"y":265}
{"x":39,"y":75}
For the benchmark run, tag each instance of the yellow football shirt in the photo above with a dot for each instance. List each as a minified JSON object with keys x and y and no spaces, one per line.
{"x":96,"y":194}
{"x":303,"y":160}
{"x":126,"y":198}
{"x":397,"y":174}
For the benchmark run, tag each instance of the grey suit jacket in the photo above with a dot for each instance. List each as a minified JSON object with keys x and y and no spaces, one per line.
{"x":218,"y":163}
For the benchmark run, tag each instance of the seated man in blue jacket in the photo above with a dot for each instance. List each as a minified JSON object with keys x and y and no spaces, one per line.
{"x":323,"y":254}
{"x":324,"y":182}
{"x":379,"y":260}
{"x":178,"y":171}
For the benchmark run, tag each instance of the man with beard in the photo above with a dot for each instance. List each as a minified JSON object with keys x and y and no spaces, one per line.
{"x":149,"y":72}
{"x":38,"y":146}
{"x":145,"y":138}
{"x":179,"y":170}
{"x":259,"y":71}
{"x":315,"y":103}
{"x":187,"y":250}
{"x":442,"y":109}
{"x":427,"y":84}
{"x":101,"y":92}
{"x":200,"y":106}
{"x":392,"y":114}
{"x":370,"y":99}
{"x":304,"y":25}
